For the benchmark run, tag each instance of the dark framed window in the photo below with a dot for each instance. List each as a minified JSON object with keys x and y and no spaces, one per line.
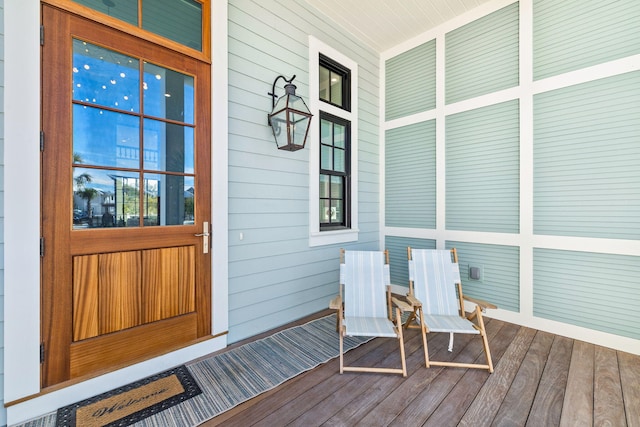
{"x":335,"y":172}
{"x":335,"y":83}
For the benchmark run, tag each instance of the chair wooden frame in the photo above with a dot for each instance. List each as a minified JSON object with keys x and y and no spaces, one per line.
{"x":417,"y":320}
{"x":337,"y":303}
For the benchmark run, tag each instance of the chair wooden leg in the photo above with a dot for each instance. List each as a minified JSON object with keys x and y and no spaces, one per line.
{"x":423,"y":331}
{"x":485,"y":341}
{"x":410,"y":318}
{"x":341,"y":356}
{"x":401,"y":339}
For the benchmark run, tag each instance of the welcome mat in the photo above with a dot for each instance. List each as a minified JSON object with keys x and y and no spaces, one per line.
{"x":131,"y":403}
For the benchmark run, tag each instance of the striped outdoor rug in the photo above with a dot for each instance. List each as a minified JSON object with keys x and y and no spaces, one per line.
{"x":230,"y":378}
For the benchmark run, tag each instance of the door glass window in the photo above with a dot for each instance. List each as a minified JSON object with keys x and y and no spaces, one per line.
{"x":133,"y":154}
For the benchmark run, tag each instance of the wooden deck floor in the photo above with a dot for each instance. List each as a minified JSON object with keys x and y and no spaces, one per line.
{"x":540,"y":379}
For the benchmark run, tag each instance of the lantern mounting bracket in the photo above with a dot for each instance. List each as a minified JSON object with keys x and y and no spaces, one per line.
{"x":273,"y":91}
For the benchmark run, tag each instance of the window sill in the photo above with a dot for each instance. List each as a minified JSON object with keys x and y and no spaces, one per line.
{"x":321,"y":238}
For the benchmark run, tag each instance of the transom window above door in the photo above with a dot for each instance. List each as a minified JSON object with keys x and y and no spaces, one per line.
{"x":177,"y":20}
{"x":133,"y":141}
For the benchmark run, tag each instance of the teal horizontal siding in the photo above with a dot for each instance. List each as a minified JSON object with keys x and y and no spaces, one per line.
{"x":410,"y":176}
{"x":572,"y":34}
{"x":587,"y":159}
{"x":275,"y":277}
{"x":483,"y":169}
{"x":482,"y":56}
{"x":398,"y":260}
{"x":500,"y":282}
{"x":410,"y":81}
{"x":591,"y":290}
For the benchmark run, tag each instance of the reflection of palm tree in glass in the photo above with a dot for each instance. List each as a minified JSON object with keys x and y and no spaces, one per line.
{"x":82,"y":179}
{"x":88,"y":194}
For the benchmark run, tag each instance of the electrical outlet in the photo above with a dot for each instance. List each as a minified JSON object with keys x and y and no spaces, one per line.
{"x":476,"y":272}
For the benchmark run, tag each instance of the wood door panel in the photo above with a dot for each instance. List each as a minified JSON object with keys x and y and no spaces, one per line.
{"x":119,"y":291}
{"x":115,"y":350}
{"x":187,"y":280}
{"x":85,"y":297}
{"x":168,"y":286}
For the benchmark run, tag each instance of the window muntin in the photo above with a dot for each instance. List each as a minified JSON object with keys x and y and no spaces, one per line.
{"x":334,"y":83}
{"x":319,"y":235}
{"x":334,"y":172}
{"x":133,"y":156}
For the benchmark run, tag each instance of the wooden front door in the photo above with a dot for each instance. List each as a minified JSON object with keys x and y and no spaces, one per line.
{"x":126,"y":268}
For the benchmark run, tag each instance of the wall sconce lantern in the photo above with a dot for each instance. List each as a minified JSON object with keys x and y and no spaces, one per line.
{"x":290,"y":117}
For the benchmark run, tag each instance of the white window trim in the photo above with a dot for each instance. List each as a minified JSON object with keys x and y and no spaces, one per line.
{"x":317,"y":237}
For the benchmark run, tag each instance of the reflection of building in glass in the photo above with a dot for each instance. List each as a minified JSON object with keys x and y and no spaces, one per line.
{"x":126,"y":201}
{"x":164,"y":201}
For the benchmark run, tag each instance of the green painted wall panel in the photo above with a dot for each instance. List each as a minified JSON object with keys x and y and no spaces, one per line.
{"x":500,"y":266}
{"x":410,"y":176}
{"x":587,"y":159}
{"x":398,"y":260}
{"x":595,"y":291}
{"x":483,"y":169}
{"x":572,"y":34}
{"x":482,"y":56}
{"x":410,"y":81}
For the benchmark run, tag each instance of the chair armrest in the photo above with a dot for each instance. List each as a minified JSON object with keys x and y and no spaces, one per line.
{"x":483,"y":304}
{"x":336,"y":303}
{"x":401,"y":304}
{"x":415,"y":302}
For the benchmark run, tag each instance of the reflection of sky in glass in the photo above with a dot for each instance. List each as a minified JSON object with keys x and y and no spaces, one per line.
{"x":105,"y":77}
{"x":168,"y":94}
{"x":105,"y":138}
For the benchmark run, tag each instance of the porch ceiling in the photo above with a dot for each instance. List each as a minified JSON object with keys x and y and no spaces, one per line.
{"x":383,"y":24}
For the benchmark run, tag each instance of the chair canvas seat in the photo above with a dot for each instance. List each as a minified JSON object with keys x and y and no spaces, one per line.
{"x":455,"y":324}
{"x":434,"y":276}
{"x":369,"y":327}
{"x":362,"y":304}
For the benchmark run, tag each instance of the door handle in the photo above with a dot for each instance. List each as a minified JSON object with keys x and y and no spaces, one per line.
{"x":205,"y":237}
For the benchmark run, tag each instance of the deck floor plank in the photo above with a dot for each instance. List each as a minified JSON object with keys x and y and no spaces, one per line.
{"x":376,"y":388}
{"x":298,"y":410}
{"x":629,"y":365}
{"x":517,"y":403}
{"x":540,"y":379}
{"x":393,"y":403}
{"x":427,"y":400}
{"x":486,"y":404}
{"x":577,"y":409}
{"x":282,"y":395}
{"x":547,"y":404}
{"x":456,"y":403}
{"x":383,"y":383}
{"x":608,"y":406}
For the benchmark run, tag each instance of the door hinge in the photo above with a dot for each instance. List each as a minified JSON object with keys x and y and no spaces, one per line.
{"x":42,"y":246}
{"x":41,"y":35}
{"x":41,"y":352}
{"x":41,"y":140}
